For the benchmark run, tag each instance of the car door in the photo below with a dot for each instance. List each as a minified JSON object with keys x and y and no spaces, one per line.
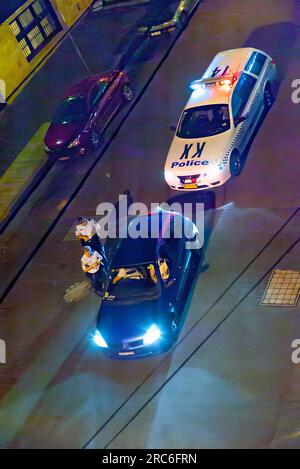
{"x":114,"y":95}
{"x":185,"y":259}
{"x":181,"y":257}
{"x":244,"y":108}
{"x":99,"y":105}
{"x":169,"y":285}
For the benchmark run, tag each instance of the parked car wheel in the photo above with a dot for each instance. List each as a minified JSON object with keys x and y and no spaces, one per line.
{"x":95,"y":139}
{"x":127,"y":93}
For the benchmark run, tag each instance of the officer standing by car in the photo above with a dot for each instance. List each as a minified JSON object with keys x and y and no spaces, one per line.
{"x":92,"y":265}
{"x":86,"y":232}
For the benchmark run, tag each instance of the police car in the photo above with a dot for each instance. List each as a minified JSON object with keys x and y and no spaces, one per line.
{"x":219,"y":119}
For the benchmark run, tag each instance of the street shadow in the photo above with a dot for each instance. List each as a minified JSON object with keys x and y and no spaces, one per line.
{"x":137,"y":49}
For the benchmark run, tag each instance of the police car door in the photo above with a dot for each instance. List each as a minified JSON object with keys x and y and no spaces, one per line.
{"x":259,"y":67}
{"x":98,"y":105}
{"x":245,"y":105}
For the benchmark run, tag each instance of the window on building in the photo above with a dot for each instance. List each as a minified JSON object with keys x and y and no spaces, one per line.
{"x":35,"y":26}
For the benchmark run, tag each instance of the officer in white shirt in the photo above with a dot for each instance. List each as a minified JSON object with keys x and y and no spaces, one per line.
{"x":91,"y":263}
{"x":91,"y":260}
{"x":85,"y":229}
{"x":86,"y":232}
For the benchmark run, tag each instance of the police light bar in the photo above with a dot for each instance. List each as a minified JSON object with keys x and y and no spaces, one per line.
{"x":213,"y":81}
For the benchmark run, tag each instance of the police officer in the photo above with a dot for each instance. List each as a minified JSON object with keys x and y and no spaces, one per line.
{"x":86,"y":232}
{"x":92,"y":266}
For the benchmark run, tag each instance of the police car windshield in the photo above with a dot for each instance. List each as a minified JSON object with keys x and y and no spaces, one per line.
{"x":72,"y":109}
{"x":132,"y":284}
{"x":204,"y":121}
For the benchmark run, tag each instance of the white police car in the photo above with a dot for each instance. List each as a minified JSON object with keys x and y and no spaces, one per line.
{"x":219,"y":118}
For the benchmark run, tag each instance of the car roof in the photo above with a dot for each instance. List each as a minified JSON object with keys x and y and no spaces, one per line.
{"x":135,"y":252}
{"x":234,"y":62}
{"x":83,"y":86}
{"x":141,"y":250}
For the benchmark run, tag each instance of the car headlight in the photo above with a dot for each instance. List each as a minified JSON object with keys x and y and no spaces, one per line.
{"x":98,"y":339}
{"x":214,"y":170}
{"x":169,"y":175}
{"x":152,"y":335}
{"x":74,"y":143}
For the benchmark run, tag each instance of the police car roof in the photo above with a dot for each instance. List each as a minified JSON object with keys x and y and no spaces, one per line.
{"x":234,"y":60}
{"x":229,"y":62}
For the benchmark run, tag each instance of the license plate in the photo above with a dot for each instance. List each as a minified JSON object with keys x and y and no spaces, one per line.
{"x":126,"y":353}
{"x":190,"y":186}
{"x":64,"y":158}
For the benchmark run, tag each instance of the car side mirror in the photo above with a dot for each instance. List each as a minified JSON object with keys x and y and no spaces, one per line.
{"x":173,"y":128}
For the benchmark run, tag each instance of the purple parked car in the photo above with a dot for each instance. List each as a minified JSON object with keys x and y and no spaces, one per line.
{"x":84,"y":113}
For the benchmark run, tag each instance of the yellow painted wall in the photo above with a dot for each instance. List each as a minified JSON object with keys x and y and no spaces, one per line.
{"x":14,"y":67}
{"x":71,"y":10}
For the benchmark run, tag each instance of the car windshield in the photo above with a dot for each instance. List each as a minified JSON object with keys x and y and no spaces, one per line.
{"x":137,"y":283}
{"x":160,"y":13}
{"x":204,"y":121}
{"x":72,"y":109}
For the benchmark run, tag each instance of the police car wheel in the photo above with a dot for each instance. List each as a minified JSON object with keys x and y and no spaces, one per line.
{"x":127,"y":92}
{"x":95,"y":139}
{"x":235,"y":163}
{"x":268,"y":96}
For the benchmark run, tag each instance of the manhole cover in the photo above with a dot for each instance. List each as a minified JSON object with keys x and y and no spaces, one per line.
{"x":283,"y":288}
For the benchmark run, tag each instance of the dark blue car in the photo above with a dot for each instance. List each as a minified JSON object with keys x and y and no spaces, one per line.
{"x":148,"y":282}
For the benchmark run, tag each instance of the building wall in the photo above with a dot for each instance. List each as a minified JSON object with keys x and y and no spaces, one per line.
{"x":14,"y":66}
{"x":71,"y":10}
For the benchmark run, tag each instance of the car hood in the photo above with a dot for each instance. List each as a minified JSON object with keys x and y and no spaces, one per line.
{"x":59,"y":135}
{"x":122,"y":323}
{"x":188,"y":156}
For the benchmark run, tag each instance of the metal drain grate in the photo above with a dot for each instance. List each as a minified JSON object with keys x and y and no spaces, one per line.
{"x":283,"y":288}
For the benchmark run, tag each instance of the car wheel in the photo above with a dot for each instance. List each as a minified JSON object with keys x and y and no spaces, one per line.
{"x":127,"y":93}
{"x":268,"y":96}
{"x":95,"y":139}
{"x":197,"y":251}
{"x":235,"y":163}
{"x":174,"y":328}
